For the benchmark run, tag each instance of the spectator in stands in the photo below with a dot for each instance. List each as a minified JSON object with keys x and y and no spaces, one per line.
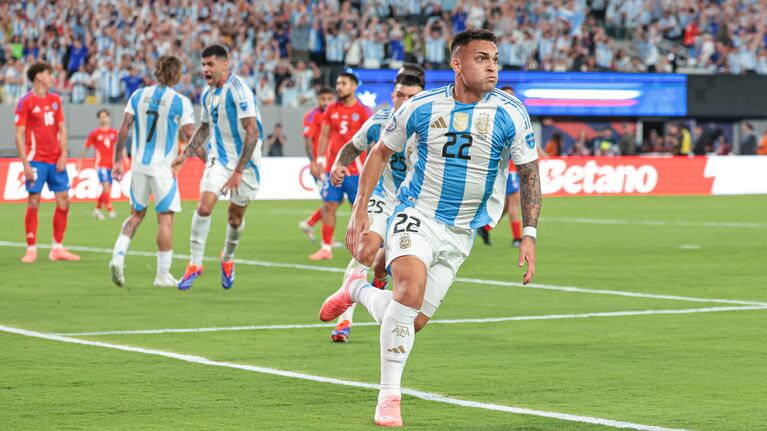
{"x":77,"y":54}
{"x":131,"y":82}
{"x":14,"y":80}
{"x":653,"y":143}
{"x":627,"y":142}
{"x":276,"y":141}
{"x":748,"y":141}
{"x":265,"y":92}
{"x":554,"y":146}
{"x":436,"y":37}
{"x":581,"y":146}
{"x":762,"y":150}
{"x":288,"y":93}
{"x":107,"y":79}
{"x":81,"y":81}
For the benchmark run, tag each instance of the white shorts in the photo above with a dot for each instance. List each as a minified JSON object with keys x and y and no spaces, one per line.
{"x":379,"y":210}
{"x":216,"y":175}
{"x":164,"y":190}
{"x":442,"y":249}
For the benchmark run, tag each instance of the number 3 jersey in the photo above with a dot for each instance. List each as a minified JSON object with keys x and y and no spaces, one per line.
{"x":224,"y":108}
{"x":462,"y":154}
{"x":158,"y":113}
{"x":396,"y":170}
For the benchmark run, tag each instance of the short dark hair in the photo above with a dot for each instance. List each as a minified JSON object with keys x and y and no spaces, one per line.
{"x":349,"y":74}
{"x":215,"y":51}
{"x":325,"y":89}
{"x":409,"y":80}
{"x":103,"y":111}
{"x":465,"y":37}
{"x":37,"y":68}
{"x":507,"y":87}
{"x":413,"y":69}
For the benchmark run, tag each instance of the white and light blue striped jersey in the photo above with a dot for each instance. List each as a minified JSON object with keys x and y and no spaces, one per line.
{"x":462,"y":153}
{"x":399,"y":164}
{"x":158,"y":113}
{"x":224,"y":108}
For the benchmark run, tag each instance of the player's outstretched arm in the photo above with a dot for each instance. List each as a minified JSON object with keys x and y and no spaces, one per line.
{"x":371,"y":172}
{"x":530,"y":199}
{"x":122,"y":136}
{"x":248,"y":146}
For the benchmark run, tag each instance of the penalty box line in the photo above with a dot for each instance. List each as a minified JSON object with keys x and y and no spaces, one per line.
{"x":431,"y":322}
{"x":428,"y":396}
{"x":571,"y":289}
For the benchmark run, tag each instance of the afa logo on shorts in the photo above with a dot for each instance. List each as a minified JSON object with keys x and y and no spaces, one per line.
{"x":530,"y":139}
{"x":244,"y":106}
{"x":404,"y":242}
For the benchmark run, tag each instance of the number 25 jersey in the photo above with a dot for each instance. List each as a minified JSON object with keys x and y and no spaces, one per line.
{"x":463,"y":152}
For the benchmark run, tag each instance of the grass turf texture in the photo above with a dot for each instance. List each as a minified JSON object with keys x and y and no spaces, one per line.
{"x":698,"y":371}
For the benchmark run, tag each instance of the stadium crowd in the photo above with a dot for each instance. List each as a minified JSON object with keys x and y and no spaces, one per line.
{"x":102,"y":50}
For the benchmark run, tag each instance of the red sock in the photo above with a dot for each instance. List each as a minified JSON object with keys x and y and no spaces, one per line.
{"x":107,"y":200}
{"x":59,"y":224}
{"x":30,"y":226}
{"x":315,"y":217}
{"x":487,"y":228}
{"x":516,"y":229}
{"x":327,"y":234}
{"x":99,"y":201}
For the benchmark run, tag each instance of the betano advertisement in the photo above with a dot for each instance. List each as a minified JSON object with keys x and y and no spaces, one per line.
{"x":289,"y":178}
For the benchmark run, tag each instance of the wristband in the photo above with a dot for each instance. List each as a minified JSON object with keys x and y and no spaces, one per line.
{"x":529,"y":231}
{"x":321,"y":160}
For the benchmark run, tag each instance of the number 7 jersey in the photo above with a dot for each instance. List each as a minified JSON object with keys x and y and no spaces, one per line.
{"x":462,"y":154}
{"x":158,"y":113}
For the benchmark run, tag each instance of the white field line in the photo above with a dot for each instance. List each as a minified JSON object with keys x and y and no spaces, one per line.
{"x":571,"y":289}
{"x":428,"y":396}
{"x":603,"y":221}
{"x":431,"y":322}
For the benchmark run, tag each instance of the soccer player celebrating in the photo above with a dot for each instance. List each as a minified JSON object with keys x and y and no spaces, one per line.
{"x":312,"y":125}
{"x":102,"y":139}
{"x":466,"y":134}
{"x":380,"y":205}
{"x":41,"y":140}
{"x":229,"y":105}
{"x":158,"y":112}
{"x":339,"y":124}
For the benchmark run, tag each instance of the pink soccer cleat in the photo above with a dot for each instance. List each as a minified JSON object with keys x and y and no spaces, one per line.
{"x":62,"y":254}
{"x":337,"y":303}
{"x":321,"y":254}
{"x":388,"y":412}
{"x":29,"y":257}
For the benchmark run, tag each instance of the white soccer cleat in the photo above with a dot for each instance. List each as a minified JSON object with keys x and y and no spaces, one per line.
{"x":118,"y":273}
{"x":307,"y":230}
{"x":97,"y":214}
{"x":165,"y":280}
{"x":112,"y":215}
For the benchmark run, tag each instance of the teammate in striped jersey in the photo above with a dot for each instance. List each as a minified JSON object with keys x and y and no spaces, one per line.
{"x":466,"y":134}
{"x":229,"y":106}
{"x":382,"y":201}
{"x":157,"y":114}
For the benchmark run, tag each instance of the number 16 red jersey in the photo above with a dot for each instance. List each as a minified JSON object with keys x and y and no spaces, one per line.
{"x":41,"y":116}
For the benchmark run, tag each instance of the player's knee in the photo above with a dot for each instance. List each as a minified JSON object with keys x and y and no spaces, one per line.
{"x":408,"y":293}
{"x":235,"y":220}
{"x":204,"y":210}
{"x":366,"y":256}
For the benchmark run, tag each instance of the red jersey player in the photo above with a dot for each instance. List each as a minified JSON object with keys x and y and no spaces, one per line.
{"x":312,"y":126}
{"x":41,"y":139}
{"x":102,"y":139}
{"x":339,"y":124}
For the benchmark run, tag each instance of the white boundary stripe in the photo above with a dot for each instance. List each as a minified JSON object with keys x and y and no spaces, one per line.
{"x":428,"y":396}
{"x":571,"y":289}
{"x":678,"y":223}
{"x":431,"y":322}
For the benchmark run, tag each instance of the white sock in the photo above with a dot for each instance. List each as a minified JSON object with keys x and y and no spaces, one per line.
{"x":354,"y":267}
{"x":120,"y":249}
{"x":200,"y":228}
{"x":397,"y":338}
{"x":328,"y":247}
{"x":375,"y":300}
{"x":164,"y":259}
{"x":232,"y":239}
{"x":56,"y":245}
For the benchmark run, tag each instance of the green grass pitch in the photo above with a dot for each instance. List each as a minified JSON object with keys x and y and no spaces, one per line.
{"x":693,"y":369}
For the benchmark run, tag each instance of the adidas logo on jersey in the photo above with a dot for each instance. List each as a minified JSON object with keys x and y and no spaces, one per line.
{"x":36,"y":110}
{"x":398,"y":349}
{"x":439,"y":123}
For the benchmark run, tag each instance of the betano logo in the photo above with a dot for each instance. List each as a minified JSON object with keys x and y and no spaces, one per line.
{"x":557,"y":177}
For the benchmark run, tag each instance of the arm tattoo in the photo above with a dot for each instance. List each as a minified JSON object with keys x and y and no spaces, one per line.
{"x":199,"y":137}
{"x":530,"y":192}
{"x":122,"y":136}
{"x":347,"y":155}
{"x":251,"y":138}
